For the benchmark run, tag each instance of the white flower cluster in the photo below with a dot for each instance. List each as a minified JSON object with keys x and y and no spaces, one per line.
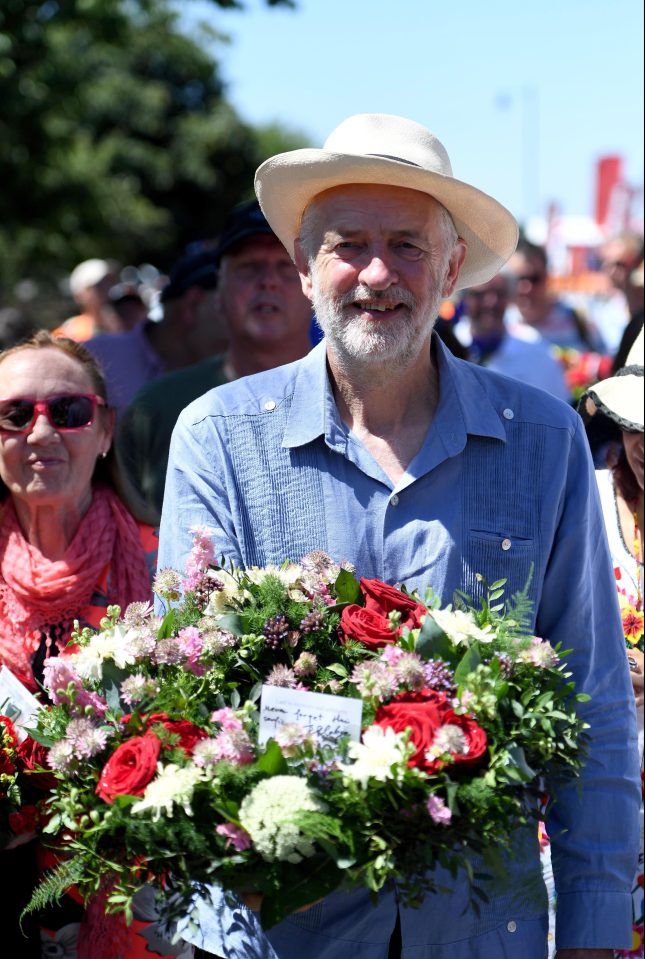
{"x":381,"y":755}
{"x":460,"y":626}
{"x":173,"y":786}
{"x":268,"y":814}
{"x":114,"y":643}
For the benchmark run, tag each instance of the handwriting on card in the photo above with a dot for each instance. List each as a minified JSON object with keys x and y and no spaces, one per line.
{"x":326,"y":717}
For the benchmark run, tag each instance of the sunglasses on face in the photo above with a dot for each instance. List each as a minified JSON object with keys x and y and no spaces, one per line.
{"x":70,"y":411}
{"x":533,"y":278}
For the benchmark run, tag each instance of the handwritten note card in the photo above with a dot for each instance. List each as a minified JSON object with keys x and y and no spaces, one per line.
{"x":17,"y":702}
{"x":327,"y":717}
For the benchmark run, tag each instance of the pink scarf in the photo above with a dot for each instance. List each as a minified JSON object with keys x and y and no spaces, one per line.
{"x":36,"y":593}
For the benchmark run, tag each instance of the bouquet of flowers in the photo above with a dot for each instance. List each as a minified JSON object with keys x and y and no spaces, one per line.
{"x":288,"y":730}
{"x":582,"y":369}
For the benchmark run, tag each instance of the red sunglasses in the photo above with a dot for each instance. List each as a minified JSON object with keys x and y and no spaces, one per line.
{"x":69,"y":411}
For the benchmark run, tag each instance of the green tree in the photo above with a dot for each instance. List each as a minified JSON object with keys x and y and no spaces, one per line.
{"x":115,"y":135}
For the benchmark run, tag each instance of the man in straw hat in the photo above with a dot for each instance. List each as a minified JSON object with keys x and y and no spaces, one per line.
{"x":381,"y":448}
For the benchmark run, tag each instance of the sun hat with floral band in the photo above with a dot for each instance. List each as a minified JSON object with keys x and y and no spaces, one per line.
{"x":379,"y":148}
{"x":620,"y":397}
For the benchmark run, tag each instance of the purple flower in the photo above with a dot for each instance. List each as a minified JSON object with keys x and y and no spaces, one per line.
{"x":235,"y":836}
{"x":438,"y":810}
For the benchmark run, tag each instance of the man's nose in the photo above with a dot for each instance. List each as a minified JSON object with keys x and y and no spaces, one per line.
{"x":378,"y":273}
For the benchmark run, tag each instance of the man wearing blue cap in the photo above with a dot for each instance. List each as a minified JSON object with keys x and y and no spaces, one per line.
{"x":189,"y":330}
{"x":262,"y":309}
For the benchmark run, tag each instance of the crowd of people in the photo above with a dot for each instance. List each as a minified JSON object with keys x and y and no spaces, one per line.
{"x":291,"y":388}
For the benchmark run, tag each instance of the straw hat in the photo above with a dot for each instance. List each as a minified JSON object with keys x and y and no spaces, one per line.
{"x":389,"y":150}
{"x":621,"y":396}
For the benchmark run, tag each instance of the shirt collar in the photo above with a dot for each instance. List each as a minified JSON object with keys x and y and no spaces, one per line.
{"x":463,"y":403}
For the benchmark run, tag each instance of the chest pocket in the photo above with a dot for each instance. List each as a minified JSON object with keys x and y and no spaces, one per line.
{"x":503,"y":511}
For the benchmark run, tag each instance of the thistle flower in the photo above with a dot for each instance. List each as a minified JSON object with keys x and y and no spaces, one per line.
{"x":136,"y":688}
{"x":305,"y":665}
{"x":292,"y":737}
{"x":138,"y":614}
{"x":282,"y":676}
{"x":167,"y":583}
{"x":168,"y":651}
{"x":375,"y":680}
{"x":410,"y":671}
{"x":85,"y":738}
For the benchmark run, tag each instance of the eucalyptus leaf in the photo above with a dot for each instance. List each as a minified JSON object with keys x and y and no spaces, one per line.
{"x":468,"y":664}
{"x":432,"y":642}
{"x":347,"y":588}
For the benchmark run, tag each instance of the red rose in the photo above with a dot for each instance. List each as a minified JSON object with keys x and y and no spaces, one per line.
{"x":31,"y":756}
{"x":385,"y":599}
{"x":367,"y":627}
{"x":130,"y":768}
{"x":427,"y":714}
{"x":189,"y":734}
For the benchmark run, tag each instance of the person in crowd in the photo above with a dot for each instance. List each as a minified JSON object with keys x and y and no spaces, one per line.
{"x":535,"y":306}
{"x":128,"y":304}
{"x":189,"y":330}
{"x":69,"y":547}
{"x":621,"y":259}
{"x":89,"y":283}
{"x":526,"y":356}
{"x":621,"y":494}
{"x":267,"y":316}
{"x":381,"y":448}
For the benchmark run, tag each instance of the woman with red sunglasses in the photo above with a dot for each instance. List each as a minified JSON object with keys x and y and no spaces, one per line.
{"x":69,"y":547}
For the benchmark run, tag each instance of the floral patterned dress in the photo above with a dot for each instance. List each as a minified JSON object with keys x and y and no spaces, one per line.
{"x":629,"y":582}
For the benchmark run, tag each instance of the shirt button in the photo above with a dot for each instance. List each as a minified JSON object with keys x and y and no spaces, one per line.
{"x":511,"y":926}
{"x":508,"y":414}
{"x":394,"y":500}
{"x":506,"y":544}
{"x":269,"y":405}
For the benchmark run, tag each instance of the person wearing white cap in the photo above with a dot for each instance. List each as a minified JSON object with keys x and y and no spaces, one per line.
{"x":383,"y":449}
{"x":89,"y":283}
{"x":621,"y":399}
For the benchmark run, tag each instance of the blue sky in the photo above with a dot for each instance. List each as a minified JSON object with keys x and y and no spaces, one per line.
{"x":525,"y":96}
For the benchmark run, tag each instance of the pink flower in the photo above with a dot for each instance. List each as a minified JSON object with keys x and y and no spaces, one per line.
{"x":226,"y":718}
{"x":234,"y":746}
{"x":438,"y":810}
{"x":192,"y":646}
{"x":235,"y":836}
{"x":58,"y":676}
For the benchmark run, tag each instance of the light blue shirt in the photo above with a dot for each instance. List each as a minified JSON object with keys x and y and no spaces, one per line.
{"x":503,"y":485}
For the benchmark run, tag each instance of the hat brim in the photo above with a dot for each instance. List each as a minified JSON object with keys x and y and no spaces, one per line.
{"x":620,"y":398}
{"x":287,"y":183}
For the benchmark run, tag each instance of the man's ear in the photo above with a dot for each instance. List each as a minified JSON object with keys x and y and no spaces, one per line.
{"x":455,"y":262}
{"x":302,"y":264}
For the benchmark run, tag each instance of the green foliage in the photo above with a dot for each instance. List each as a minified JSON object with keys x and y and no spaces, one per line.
{"x":115,"y":135}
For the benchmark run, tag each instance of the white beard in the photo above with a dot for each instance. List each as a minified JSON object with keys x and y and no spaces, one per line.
{"x":355,"y":340}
